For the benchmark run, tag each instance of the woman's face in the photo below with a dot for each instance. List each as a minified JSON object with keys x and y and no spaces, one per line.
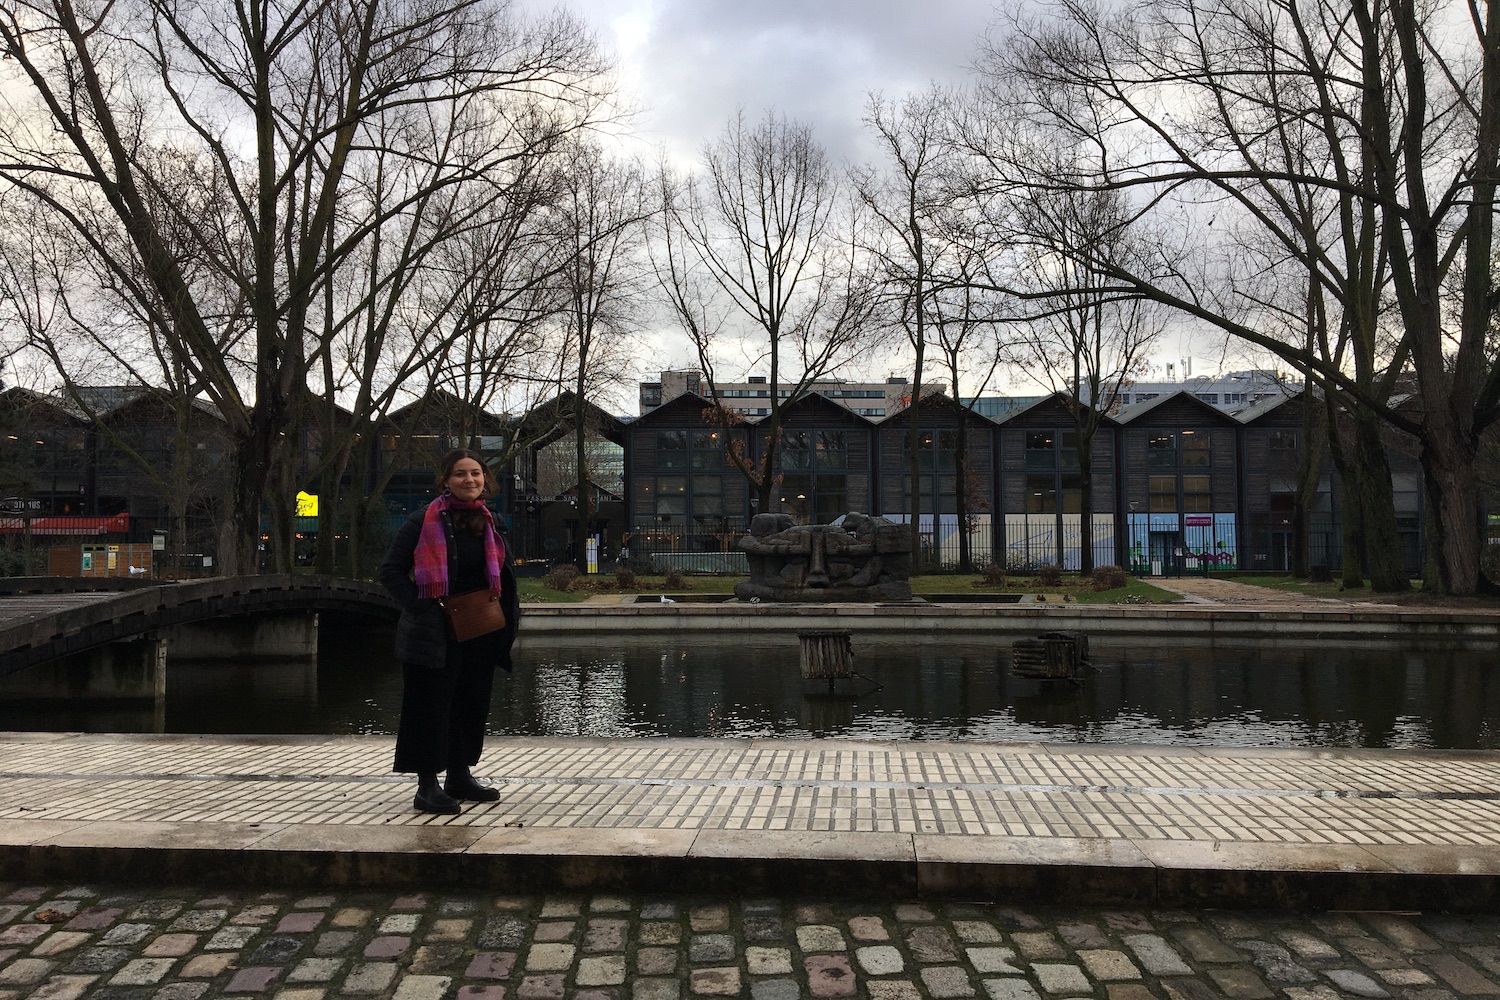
{"x":466,"y":481}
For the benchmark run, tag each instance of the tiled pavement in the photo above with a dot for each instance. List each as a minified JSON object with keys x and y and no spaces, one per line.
{"x":1142,"y":826}
{"x":58,"y":942}
{"x":1371,"y":799}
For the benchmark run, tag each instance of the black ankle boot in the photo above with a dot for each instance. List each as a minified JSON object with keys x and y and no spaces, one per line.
{"x":461,"y":785}
{"x":432,"y":799}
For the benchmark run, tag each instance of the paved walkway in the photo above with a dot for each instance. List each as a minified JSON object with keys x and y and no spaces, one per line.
{"x":1208,"y":590}
{"x":63,"y":941}
{"x":1108,"y":825}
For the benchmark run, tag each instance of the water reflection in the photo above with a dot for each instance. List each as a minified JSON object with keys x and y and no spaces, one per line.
{"x":1185,"y":692}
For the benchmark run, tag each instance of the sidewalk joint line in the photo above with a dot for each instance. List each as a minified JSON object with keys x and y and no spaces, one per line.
{"x":934,"y":786}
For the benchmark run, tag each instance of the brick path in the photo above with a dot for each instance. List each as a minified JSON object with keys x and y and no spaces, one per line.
{"x":62,"y":941}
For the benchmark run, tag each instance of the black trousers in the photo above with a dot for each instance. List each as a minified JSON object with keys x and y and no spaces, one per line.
{"x":444,"y":712}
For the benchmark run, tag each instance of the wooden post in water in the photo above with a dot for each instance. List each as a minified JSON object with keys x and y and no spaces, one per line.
{"x":826,"y":656}
{"x":1051,"y":656}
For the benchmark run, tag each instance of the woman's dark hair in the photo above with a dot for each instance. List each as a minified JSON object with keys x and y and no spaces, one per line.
{"x":469,"y":521}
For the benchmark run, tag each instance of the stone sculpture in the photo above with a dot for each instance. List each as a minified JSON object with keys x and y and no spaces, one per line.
{"x":862,"y":559}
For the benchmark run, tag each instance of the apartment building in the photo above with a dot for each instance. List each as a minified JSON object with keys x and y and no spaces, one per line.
{"x":752,"y":397}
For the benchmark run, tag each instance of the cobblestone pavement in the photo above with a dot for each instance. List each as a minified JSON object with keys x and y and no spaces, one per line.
{"x":60,"y":942}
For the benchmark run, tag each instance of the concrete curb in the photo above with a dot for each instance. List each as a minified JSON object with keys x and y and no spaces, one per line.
{"x":1101,"y":874}
{"x":1200,"y":621}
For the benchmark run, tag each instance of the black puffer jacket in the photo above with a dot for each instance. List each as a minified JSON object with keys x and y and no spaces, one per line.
{"x":422,"y":633}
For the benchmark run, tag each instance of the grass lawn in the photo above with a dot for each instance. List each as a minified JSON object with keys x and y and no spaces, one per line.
{"x":1294,"y":586}
{"x":1072,"y":588}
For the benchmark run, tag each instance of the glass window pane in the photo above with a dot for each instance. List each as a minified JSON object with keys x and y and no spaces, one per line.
{"x":1041,"y":495}
{"x":1072,"y":495}
{"x":1195,"y":448}
{"x":1164,"y":494}
{"x":1161,"y":450}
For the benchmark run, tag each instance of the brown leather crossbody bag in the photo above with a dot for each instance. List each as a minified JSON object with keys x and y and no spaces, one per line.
{"x":473,"y":614}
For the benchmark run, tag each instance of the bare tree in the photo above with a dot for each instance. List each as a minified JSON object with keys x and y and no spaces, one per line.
{"x":1200,"y":97}
{"x":753,"y":251}
{"x":966,"y":320}
{"x":1087,"y":343}
{"x":600,"y":218}
{"x":912,"y":202}
{"x":279,"y":101}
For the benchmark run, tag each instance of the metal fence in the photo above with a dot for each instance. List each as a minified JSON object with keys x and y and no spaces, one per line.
{"x":1035,"y":540}
{"x":685,"y":551}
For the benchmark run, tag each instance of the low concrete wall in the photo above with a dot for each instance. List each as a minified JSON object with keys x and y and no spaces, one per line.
{"x":266,"y":636}
{"x":128,"y":670}
{"x":1198,"y":621}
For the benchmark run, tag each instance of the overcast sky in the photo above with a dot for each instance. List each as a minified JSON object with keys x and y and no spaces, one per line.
{"x":692,"y":63}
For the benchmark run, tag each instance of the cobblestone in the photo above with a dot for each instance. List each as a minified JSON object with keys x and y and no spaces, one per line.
{"x":123,"y":943}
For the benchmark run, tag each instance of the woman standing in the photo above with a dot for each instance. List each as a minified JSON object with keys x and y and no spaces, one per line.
{"x":451,"y":547}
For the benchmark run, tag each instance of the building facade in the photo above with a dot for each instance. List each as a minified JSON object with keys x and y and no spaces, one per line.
{"x":1177,"y":483}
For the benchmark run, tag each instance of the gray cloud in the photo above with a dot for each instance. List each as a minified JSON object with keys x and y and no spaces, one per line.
{"x":694,"y":62}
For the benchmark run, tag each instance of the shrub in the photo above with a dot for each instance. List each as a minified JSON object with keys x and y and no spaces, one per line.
{"x":675,"y":579}
{"x":561,"y":578}
{"x":624,"y":578}
{"x":1049,"y":574}
{"x":994,"y":575}
{"x":1108,"y":577}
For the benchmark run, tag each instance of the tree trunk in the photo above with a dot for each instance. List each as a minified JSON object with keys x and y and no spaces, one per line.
{"x":961,"y":481}
{"x":914,"y":462}
{"x":585,"y":491}
{"x":1086,"y":503}
{"x":239,"y":532}
{"x":1382,"y":542}
{"x":181,"y":486}
{"x":1452,"y":484}
{"x":1350,"y":509}
{"x":327,"y":522}
{"x":1309,"y":462}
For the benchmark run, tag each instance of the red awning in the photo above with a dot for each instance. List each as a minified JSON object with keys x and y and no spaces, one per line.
{"x":67,"y":525}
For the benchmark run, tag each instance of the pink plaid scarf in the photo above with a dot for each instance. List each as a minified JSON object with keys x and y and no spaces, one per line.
{"x":430,"y":562}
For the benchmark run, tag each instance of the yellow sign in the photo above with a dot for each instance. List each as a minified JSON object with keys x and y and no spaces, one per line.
{"x":307,"y":505}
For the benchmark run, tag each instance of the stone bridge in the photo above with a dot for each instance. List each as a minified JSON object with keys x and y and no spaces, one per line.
{"x":127,"y":622}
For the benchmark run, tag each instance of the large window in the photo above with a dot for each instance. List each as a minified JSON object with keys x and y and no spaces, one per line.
{"x":1161,"y":450}
{"x":814,"y":450}
{"x":1163,"y":494}
{"x":1072,"y":494}
{"x":935,"y":449}
{"x":706,"y":453}
{"x":1041,"y":494}
{"x":1196,"y":498}
{"x":1051,"y":450}
{"x":1195,"y":450}
{"x":670,"y":500}
{"x":671,"y":450}
{"x":1178,"y":449}
{"x":1041,"y":450}
{"x":1284,"y":440}
{"x":813,"y":499}
{"x":707,"y":499}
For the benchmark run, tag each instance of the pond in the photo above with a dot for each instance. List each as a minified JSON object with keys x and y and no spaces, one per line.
{"x":1140,"y":691}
